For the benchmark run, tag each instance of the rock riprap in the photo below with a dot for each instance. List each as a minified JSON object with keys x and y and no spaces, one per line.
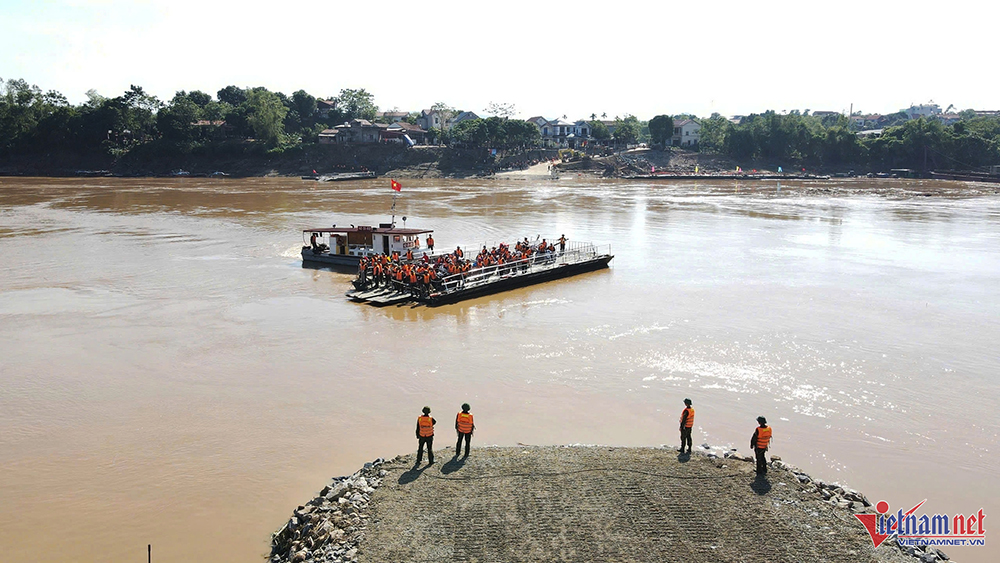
{"x":331,"y":526}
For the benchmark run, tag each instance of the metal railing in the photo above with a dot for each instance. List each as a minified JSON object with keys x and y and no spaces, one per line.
{"x":575,"y":253}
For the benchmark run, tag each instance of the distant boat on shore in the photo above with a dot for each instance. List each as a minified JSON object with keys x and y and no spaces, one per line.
{"x":342,"y":176}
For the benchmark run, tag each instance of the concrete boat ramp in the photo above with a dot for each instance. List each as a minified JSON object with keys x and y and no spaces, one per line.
{"x":581,"y":504}
{"x":380,"y":297}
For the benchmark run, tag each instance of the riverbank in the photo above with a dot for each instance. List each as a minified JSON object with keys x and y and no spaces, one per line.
{"x":583,"y":503}
{"x":248,"y":160}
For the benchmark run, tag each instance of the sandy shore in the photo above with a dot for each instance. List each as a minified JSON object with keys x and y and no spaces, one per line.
{"x":582,"y":503}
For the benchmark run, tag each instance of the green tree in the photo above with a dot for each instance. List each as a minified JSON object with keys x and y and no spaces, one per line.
{"x":232,"y":95}
{"x":304,"y":104}
{"x":713,"y":133}
{"x":661,"y":129}
{"x":176,"y":121}
{"x":626,"y":130}
{"x":599,"y":130}
{"x":357,"y":104}
{"x":265,"y":114}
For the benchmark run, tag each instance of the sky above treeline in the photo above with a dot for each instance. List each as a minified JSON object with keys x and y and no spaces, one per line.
{"x":547,"y":58}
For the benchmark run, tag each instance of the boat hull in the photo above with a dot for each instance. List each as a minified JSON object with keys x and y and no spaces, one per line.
{"x":310,"y":257}
{"x":518,"y":281}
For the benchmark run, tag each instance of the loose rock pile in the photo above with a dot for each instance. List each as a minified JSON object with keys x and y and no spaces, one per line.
{"x":330,"y":526}
{"x":857,"y":503}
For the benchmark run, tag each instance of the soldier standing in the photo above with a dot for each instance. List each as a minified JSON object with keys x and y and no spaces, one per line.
{"x":687,"y":422}
{"x":464,"y":425}
{"x":759,"y":442}
{"x":425,"y":435}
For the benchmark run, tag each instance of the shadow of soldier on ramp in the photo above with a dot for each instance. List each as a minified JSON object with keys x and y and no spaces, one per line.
{"x":761,"y":485}
{"x":453,"y":465}
{"x":411,"y":475}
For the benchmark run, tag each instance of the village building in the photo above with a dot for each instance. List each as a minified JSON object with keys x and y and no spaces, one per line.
{"x":391,"y":116}
{"x":328,"y":136}
{"x":686,"y":133}
{"x":324,"y":107}
{"x":561,"y":133}
{"x":463,"y":116}
{"x":359,"y":131}
{"x":930,"y":109}
{"x":431,"y":119}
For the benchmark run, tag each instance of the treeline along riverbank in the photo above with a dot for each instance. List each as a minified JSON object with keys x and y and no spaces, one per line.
{"x":254,"y":131}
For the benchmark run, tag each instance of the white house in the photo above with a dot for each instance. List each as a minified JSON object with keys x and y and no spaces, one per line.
{"x":431,"y":118}
{"x":923,"y":110}
{"x":559,"y":132}
{"x":391,"y":116}
{"x":686,"y":133}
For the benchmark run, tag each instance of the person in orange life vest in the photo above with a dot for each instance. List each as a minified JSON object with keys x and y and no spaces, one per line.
{"x":759,"y":442}
{"x":425,"y":435}
{"x":562,"y":244}
{"x":430,"y":243}
{"x":464,"y":425}
{"x":687,"y":422}
{"x":409,"y":254}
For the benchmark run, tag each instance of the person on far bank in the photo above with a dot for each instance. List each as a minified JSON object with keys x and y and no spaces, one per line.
{"x":464,"y":425}
{"x":425,"y":435}
{"x":687,"y":422}
{"x":759,"y":442}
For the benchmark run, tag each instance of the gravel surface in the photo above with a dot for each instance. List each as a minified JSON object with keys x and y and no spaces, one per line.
{"x":577,"y":503}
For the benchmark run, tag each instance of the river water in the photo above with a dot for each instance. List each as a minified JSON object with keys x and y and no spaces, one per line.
{"x":171,"y":375}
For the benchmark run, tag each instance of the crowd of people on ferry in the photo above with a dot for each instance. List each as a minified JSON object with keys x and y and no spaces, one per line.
{"x":423,"y":275}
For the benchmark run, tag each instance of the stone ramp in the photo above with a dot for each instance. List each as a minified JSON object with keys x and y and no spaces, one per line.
{"x":602,"y":504}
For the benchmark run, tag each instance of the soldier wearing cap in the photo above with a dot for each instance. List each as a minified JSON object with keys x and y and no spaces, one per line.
{"x":759,"y":442}
{"x":425,"y":435}
{"x":464,"y":425}
{"x":687,"y":422}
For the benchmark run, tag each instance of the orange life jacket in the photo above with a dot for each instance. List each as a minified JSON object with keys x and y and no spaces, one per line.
{"x":763,"y":437}
{"x":464,"y":421}
{"x":409,"y":255}
{"x":690,"y":419}
{"x":426,"y":425}
{"x":430,"y":241}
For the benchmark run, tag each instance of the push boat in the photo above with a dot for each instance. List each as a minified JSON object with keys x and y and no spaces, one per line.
{"x":345,"y":246}
{"x":539,"y":267}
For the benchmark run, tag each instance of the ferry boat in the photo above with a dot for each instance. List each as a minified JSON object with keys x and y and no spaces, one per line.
{"x":344,"y":246}
{"x":539,"y":267}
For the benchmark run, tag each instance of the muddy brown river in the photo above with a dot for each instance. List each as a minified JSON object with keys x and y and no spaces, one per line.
{"x":171,"y":375}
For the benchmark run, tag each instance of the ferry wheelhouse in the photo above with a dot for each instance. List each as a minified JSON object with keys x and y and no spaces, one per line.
{"x":344,"y":246}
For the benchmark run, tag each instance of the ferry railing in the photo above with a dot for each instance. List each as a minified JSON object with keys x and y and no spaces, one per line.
{"x":538,"y":261}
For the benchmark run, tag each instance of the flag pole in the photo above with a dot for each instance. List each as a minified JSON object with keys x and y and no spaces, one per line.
{"x":393,"y":209}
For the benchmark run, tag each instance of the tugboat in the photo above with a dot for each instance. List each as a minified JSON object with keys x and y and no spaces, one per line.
{"x":345,"y":246}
